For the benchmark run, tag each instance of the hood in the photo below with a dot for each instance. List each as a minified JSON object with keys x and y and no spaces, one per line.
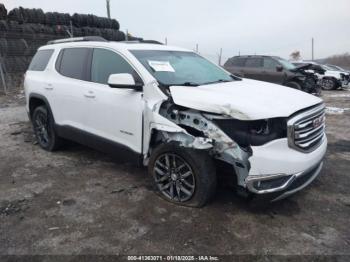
{"x":244,"y":100}
{"x":313,"y":67}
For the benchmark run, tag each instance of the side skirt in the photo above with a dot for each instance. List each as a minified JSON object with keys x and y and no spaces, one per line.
{"x":118,"y":151}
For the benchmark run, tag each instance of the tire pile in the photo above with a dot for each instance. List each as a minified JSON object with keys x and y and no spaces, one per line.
{"x":24,"y":30}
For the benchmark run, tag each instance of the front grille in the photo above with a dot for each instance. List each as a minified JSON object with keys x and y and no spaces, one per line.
{"x":306,"y":129}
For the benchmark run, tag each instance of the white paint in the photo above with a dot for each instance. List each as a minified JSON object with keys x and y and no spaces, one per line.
{"x":246,"y":99}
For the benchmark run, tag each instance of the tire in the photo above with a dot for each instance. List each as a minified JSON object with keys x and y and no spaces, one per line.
{"x":294,"y":85}
{"x":43,"y":124}
{"x":329,"y":84}
{"x":193,"y":190}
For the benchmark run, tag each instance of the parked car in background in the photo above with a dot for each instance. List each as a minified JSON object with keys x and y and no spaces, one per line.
{"x":273,"y":69}
{"x":337,"y":68}
{"x":331,"y":79}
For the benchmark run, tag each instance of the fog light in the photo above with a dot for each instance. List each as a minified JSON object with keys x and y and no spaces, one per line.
{"x":271,"y":183}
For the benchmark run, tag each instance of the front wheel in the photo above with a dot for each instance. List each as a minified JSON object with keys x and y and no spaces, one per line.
{"x":294,"y":85}
{"x":329,"y":84}
{"x":183,"y":176}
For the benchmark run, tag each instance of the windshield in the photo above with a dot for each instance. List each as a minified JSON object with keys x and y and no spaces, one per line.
{"x":328,"y":68}
{"x":332,"y":67}
{"x":180,"y":68}
{"x":286,"y":64}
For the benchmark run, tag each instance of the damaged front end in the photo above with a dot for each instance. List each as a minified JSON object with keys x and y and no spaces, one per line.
{"x":226,"y":139}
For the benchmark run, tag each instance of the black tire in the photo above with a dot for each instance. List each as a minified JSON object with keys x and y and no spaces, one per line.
{"x":329,"y":84}
{"x":200,"y":183}
{"x":43,"y":121}
{"x":294,"y":85}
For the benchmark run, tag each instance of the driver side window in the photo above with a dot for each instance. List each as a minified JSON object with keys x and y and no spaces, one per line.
{"x":106,"y":63}
{"x":270,"y":63}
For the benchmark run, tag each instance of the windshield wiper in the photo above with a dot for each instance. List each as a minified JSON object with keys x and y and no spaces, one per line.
{"x":187,"y":84}
{"x":217,"y":81}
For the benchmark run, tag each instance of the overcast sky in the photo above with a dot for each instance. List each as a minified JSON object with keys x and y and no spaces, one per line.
{"x":273,"y":27}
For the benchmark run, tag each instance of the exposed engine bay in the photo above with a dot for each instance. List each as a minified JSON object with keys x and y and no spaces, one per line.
{"x":225,"y":138}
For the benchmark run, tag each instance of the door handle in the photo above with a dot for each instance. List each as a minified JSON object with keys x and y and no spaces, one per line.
{"x":89,"y":94}
{"x":49,"y":87}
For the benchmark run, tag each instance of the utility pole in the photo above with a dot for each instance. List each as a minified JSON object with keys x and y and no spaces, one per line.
{"x":220,"y":55}
{"x":166,"y":41}
{"x":196,"y":48}
{"x":108,"y":9}
{"x":312,"y":49}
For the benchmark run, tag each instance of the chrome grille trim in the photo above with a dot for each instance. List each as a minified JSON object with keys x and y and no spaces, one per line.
{"x":302,"y":133}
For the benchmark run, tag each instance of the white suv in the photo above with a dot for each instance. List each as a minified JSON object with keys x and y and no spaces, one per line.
{"x":179,"y":114}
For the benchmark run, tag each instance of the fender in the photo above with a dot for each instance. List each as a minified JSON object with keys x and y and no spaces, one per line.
{"x":44,"y":99}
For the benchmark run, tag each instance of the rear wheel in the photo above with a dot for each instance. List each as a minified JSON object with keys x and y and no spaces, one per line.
{"x":183,"y":176}
{"x":44,"y":131}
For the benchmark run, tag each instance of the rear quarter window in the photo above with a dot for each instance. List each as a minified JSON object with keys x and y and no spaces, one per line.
{"x":40,"y":60}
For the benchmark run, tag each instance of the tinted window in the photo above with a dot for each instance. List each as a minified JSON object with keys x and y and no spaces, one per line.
{"x":73,"y":63}
{"x":269,"y":63}
{"x":105,"y":63}
{"x":254,"y":62}
{"x":40,"y":60}
{"x":237,"y":61}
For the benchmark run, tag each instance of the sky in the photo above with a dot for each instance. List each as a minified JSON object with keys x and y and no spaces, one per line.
{"x":269,"y":27}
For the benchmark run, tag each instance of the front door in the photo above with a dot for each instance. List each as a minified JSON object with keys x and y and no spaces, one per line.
{"x":114,"y":113}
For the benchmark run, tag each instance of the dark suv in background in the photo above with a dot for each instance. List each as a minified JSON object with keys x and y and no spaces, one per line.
{"x":273,"y":69}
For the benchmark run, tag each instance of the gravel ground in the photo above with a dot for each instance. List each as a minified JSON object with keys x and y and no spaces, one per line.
{"x":79,"y":201}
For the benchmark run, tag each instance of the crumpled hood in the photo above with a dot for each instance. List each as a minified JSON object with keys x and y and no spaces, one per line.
{"x":244,"y":100}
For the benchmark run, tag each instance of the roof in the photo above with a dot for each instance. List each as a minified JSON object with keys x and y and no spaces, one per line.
{"x":116,"y":45}
{"x":247,"y":56}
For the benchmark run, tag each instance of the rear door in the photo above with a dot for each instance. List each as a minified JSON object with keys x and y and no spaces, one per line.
{"x":253,"y":68}
{"x":114,"y":113}
{"x":69,"y":87}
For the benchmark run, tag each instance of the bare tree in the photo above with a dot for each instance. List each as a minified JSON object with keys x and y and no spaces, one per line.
{"x":295,"y":56}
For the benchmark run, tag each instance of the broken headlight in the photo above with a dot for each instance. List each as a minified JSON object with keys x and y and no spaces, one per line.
{"x":253,"y":133}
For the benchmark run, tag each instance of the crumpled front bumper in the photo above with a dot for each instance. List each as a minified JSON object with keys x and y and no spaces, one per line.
{"x":279,"y":171}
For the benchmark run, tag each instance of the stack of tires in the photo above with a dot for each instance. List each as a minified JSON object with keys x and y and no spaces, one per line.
{"x":3,"y":12}
{"x":24,"y":30}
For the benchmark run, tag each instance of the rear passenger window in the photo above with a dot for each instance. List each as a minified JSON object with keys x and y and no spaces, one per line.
{"x":40,"y":60}
{"x":105,"y":63}
{"x":254,"y":62}
{"x":73,"y":63}
{"x":238,"y":61}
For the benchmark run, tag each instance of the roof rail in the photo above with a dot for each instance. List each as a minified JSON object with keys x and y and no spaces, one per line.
{"x":77,"y":39}
{"x":142,"y":42}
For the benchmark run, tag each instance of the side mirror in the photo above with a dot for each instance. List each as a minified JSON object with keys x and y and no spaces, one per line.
{"x":279,"y":68}
{"x":123,"y":81}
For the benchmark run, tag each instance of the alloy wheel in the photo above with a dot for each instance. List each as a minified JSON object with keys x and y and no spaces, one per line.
{"x":174,"y":177}
{"x":41,"y":128}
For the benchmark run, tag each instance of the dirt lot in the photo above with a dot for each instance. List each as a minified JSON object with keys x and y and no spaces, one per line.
{"x":79,"y":201}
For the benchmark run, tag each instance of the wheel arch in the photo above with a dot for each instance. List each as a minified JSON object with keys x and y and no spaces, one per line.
{"x":36,"y":100}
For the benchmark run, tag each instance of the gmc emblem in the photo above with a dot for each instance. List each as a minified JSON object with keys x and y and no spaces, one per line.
{"x":318,"y":121}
